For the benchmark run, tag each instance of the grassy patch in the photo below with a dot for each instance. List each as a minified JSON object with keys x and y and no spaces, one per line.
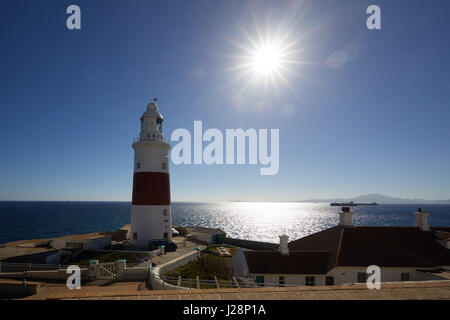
{"x":84,"y":257}
{"x":209,"y":264}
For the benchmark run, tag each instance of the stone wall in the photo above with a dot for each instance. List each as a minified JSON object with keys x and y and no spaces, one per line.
{"x":159,"y":284}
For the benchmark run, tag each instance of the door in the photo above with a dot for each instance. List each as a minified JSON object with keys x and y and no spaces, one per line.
{"x":259,"y":280}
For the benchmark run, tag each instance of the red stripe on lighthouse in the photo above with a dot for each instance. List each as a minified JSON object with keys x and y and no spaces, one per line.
{"x":151,"y":188}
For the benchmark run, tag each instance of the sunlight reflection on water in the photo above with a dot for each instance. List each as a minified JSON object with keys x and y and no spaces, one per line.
{"x":265,"y":221}
{"x":258,"y":220}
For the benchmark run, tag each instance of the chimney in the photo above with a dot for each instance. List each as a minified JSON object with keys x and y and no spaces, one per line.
{"x":421,"y":220}
{"x":346,"y":217}
{"x":284,"y":244}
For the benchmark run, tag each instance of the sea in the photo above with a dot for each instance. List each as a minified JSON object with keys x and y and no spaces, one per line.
{"x":260,"y":221}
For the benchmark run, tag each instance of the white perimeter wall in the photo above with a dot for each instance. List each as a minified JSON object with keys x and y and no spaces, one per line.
{"x":149,"y":222}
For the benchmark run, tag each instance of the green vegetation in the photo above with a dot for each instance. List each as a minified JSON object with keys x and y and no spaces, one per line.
{"x":209,"y":264}
{"x":84,"y":257}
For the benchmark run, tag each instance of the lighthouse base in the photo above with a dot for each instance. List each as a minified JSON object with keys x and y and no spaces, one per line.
{"x":150,"y":223}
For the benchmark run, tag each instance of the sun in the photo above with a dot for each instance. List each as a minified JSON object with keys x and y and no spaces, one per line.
{"x":267,"y":60}
{"x":269,"y":53}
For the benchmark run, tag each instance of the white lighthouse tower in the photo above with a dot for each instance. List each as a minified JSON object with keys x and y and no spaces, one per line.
{"x":150,"y":211}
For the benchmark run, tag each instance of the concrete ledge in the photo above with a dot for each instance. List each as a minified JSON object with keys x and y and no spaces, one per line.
{"x":15,"y":288}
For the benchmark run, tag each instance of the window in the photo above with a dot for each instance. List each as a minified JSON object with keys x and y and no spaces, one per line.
{"x":281,"y":281}
{"x":165,"y":235}
{"x":138,"y":165}
{"x":165,"y":212}
{"x":259,"y":280}
{"x":310,"y":281}
{"x":164,"y":165}
{"x":329,"y":281}
{"x":134,"y":235}
{"x":405,"y":276}
{"x":159,"y":125}
{"x":362,"y":277}
{"x":166,"y":220}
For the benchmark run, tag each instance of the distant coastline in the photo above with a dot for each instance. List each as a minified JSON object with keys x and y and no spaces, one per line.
{"x":378,"y":198}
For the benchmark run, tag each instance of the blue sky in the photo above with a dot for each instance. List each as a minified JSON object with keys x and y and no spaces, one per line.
{"x":71,"y":100}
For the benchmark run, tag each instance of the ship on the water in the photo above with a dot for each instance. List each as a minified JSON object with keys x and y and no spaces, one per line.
{"x":352,"y":204}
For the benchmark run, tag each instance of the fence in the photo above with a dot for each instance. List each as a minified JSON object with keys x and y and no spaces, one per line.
{"x":107,"y":271}
{"x":21,"y":267}
{"x":189,"y":283}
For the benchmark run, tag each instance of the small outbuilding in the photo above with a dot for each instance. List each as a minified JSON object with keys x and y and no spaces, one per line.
{"x":88,"y":241}
{"x":29,"y":251}
{"x":206,"y":235}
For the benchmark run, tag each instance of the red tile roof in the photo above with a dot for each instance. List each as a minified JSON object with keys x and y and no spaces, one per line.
{"x":273,"y":262}
{"x":383,"y":246}
{"x":355,"y":246}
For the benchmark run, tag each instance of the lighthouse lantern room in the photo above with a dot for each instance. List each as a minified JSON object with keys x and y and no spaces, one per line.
{"x":150,"y":211}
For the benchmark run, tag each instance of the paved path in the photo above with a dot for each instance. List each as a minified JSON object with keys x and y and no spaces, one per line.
{"x":184,"y":247}
{"x":129,"y":291}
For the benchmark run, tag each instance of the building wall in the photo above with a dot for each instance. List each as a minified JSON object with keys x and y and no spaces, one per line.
{"x":97,"y":244}
{"x":290,"y":279}
{"x":149,"y":223}
{"x":204,"y":237}
{"x":347,"y":275}
{"x":85,"y":244}
{"x":350,"y":274}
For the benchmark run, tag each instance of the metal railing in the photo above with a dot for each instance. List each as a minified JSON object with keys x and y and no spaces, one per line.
{"x":138,"y":139}
{"x":21,"y":267}
{"x":217,"y":284}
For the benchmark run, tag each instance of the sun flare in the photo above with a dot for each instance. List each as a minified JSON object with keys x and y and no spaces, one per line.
{"x":267,"y":60}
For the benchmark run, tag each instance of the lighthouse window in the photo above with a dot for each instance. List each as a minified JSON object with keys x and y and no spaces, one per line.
{"x":165,"y":212}
{"x":134,"y":235}
{"x":138,"y":165}
{"x":159,"y":125}
{"x":164,"y":165}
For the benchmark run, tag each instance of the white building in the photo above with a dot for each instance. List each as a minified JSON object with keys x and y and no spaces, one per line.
{"x":341,"y":255}
{"x":150,"y":212}
{"x":206,"y":235}
{"x":87,"y":241}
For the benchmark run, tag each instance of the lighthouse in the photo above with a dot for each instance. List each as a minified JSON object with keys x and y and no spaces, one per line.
{"x":150,"y":211}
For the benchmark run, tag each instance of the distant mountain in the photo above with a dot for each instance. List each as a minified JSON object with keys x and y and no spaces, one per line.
{"x":379,"y":198}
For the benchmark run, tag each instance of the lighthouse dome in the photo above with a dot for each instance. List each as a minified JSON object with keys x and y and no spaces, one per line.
{"x":152,"y":111}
